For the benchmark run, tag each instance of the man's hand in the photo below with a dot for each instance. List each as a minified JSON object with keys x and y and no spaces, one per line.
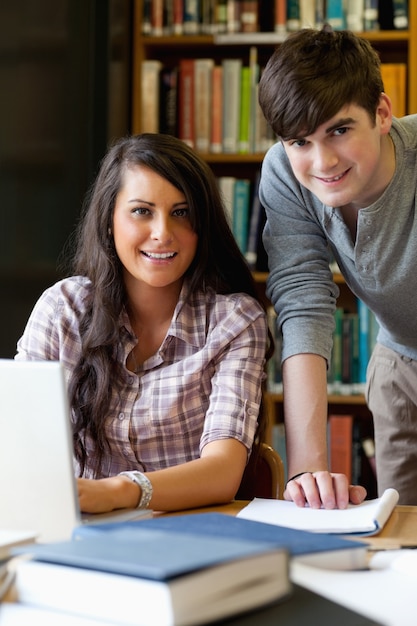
{"x":323,"y":489}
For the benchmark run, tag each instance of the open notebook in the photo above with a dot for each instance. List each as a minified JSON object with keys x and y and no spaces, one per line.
{"x":37,"y":483}
{"x":364,"y":519}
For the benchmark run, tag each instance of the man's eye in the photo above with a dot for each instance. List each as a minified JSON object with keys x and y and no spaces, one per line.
{"x":341,"y":131}
{"x":298,"y":143}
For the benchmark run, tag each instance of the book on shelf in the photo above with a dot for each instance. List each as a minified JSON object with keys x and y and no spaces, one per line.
{"x":274,"y":367}
{"x":249,"y":16}
{"x":216,"y":138}
{"x":245,"y":110}
{"x":227,"y":186}
{"x":280,"y":16}
{"x":354,"y":15}
{"x":186,"y":97}
{"x":293,"y":15}
{"x":150,"y":95}
{"x":157,"y":18}
{"x":231,"y":104}
{"x":241,"y":205}
{"x":220,"y":16}
{"x":400,"y":14}
{"x":168,"y":113}
{"x":307,"y":14}
{"x":203,"y":69}
{"x":341,"y":444}
{"x":233,"y":16}
{"x":365,"y":519}
{"x":181,"y":577}
{"x":394,"y":77}
{"x":335,"y":14}
{"x":177,"y":17}
{"x":254,"y":70}
{"x":370,"y":15}
{"x":256,"y":223}
{"x":146,"y":17}
{"x":322,"y":551}
{"x":191,"y":25}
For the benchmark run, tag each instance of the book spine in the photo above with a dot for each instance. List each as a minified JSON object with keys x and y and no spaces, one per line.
{"x":186,"y":102}
{"x":157,"y":18}
{"x":335,"y":15}
{"x":244,"y":112}
{"x":400,"y":14}
{"x":254,"y":226}
{"x":241,"y":212}
{"x":233,"y":16}
{"x":227,"y":188}
{"x":280,"y":16}
{"x":354,"y":15}
{"x":202,"y":103}
{"x":363,"y":313}
{"x":335,"y":372}
{"x":307,"y":14}
{"x":320,"y":7}
{"x":341,"y":432}
{"x":191,"y":24}
{"x":293,"y":15}
{"x":177,"y":17}
{"x":150,"y":80}
{"x":231,"y":104}
{"x":370,"y":15}
{"x":394,"y":77}
{"x":216,"y":140}
{"x":249,"y":16}
{"x":147,"y":17}
{"x":221,"y":16}
{"x":254,"y":104}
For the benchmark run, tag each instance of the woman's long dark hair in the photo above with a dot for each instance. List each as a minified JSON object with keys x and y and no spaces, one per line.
{"x":218,"y":264}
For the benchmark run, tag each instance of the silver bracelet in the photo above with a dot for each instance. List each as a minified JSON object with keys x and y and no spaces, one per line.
{"x":145,"y":485}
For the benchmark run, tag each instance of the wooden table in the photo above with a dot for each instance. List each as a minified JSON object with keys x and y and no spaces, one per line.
{"x":399,"y":531}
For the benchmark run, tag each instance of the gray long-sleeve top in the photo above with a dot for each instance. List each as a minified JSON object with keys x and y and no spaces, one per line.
{"x":380,"y":267}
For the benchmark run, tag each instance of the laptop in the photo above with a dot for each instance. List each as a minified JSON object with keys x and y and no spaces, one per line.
{"x":37,"y":483}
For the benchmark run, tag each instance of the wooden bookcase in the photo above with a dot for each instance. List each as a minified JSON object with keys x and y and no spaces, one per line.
{"x":393,"y":46}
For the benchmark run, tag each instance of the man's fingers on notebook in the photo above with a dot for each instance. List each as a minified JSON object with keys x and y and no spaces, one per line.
{"x":357,"y":494}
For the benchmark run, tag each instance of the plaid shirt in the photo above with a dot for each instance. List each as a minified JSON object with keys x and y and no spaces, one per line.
{"x":203,"y":384}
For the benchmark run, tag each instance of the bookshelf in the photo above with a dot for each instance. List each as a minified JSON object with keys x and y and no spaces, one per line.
{"x":394,"y":46}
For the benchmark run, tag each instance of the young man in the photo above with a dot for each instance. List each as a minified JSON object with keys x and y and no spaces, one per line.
{"x":342,"y":178}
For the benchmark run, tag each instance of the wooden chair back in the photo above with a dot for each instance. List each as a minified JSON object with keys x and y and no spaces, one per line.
{"x":264,"y":475}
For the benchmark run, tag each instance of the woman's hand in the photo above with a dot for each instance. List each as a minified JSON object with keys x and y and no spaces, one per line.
{"x":323,"y":489}
{"x":107,"y":494}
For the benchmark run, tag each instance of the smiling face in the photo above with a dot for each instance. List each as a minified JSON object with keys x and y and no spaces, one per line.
{"x":153,"y":236}
{"x":347,"y":160}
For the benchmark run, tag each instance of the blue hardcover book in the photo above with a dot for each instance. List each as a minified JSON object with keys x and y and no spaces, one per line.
{"x":322,"y":550}
{"x":154,"y":575}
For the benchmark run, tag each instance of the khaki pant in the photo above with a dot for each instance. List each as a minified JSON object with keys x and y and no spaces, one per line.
{"x":391,"y":395}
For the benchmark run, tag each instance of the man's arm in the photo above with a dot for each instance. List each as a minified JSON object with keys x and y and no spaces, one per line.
{"x":305,"y":410}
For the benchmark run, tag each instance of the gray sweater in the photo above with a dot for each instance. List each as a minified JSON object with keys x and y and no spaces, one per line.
{"x":380,"y":268}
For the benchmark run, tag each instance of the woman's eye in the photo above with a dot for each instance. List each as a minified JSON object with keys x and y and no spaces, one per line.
{"x":141,"y":211}
{"x":181,"y":212}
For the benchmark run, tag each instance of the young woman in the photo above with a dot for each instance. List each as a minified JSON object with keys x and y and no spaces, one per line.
{"x":160,"y":332}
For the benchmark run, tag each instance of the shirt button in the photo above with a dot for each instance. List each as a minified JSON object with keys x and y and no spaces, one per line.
{"x":126,"y":451}
{"x":130,"y":380}
{"x":121,"y":416}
